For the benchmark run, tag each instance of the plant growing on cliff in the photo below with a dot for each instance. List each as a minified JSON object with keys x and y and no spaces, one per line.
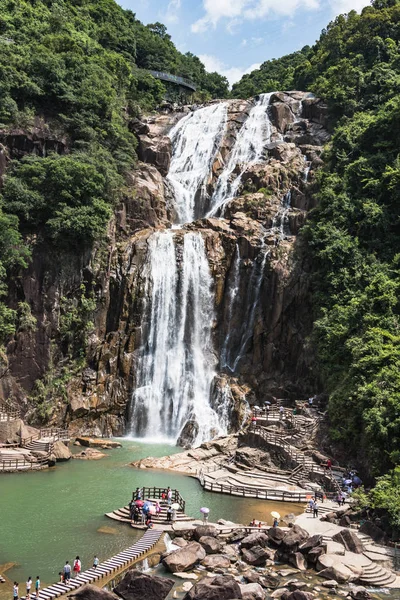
{"x":76,"y":322}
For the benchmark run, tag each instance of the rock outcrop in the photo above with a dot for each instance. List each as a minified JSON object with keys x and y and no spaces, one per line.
{"x":137,"y":585}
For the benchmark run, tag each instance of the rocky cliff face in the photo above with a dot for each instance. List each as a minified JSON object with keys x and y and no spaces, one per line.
{"x":261,"y":287}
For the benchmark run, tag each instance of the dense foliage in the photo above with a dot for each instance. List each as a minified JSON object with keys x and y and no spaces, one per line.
{"x":353,"y":236}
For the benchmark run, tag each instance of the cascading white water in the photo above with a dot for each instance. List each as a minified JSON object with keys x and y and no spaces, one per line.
{"x":232,"y":296}
{"x":195,"y":140}
{"x":177,"y":366}
{"x":254,"y":134}
{"x":280,"y":222}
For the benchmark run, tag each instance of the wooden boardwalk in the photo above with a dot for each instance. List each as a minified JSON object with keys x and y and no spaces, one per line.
{"x":104,"y":569}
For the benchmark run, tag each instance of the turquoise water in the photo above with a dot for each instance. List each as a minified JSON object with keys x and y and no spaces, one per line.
{"x":52,"y":516}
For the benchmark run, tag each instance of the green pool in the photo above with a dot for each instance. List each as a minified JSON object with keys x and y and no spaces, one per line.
{"x":52,"y":516}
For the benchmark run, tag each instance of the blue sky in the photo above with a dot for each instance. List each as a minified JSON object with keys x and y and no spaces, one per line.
{"x":234,"y":36}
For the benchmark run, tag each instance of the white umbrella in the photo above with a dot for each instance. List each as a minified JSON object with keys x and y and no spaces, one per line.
{"x":175,"y":506}
{"x":205,"y":510}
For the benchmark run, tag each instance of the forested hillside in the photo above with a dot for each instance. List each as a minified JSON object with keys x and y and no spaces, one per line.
{"x":76,"y":69}
{"x":353,"y":235}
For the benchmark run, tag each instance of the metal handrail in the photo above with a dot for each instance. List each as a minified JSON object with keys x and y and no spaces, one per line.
{"x":156,"y":492}
{"x":173,"y":79}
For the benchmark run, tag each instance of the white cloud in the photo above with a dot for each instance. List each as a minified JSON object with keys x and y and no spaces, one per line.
{"x":236,"y":10}
{"x":172,"y":14}
{"x":345,"y":6}
{"x":243,"y":43}
{"x":233,"y":74}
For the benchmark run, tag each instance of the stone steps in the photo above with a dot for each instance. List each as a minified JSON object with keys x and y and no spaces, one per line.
{"x":374,"y":575}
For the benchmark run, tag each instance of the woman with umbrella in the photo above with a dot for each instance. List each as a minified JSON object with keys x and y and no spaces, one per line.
{"x":205,"y":511}
{"x":276,"y":516}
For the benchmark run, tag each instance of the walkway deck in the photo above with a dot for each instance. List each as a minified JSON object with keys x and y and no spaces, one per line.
{"x":106,"y":568}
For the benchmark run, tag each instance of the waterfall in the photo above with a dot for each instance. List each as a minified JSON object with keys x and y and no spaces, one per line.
{"x":280,"y":222}
{"x":240,"y":337}
{"x":254,"y":134}
{"x":195,"y":140}
{"x":233,"y":291}
{"x":176,"y":364}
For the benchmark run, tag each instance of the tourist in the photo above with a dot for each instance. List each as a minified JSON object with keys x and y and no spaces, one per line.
{"x":267,"y":411}
{"x":311,"y":505}
{"x":294,"y":411}
{"x":132,"y":508}
{"x":315,"y":510}
{"x":173,"y":516}
{"x":149,"y":523}
{"x":328,"y":464}
{"x":143,"y":516}
{"x":254,"y":421}
{"x":77,"y":566}
{"x":136,"y":515}
{"x":37,"y":586}
{"x":28,"y":586}
{"x":61,"y":576}
{"x":158,"y":508}
{"x":169,"y":495}
{"x":276,"y":522}
{"x":310,"y":402}
{"x":259,"y":524}
{"x":95,"y":562}
{"x":15,"y":591}
{"x":169,"y":514}
{"x":281,"y":409}
{"x":138,"y":494}
{"x":253,"y":523}
{"x":339,"y":498}
{"x":67,"y":572}
{"x":164,"y":496}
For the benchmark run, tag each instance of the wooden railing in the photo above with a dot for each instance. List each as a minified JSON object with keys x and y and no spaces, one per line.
{"x":9,"y":414}
{"x":23,"y":463}
{"x":265,"y":494}
{"x":156,"y":493}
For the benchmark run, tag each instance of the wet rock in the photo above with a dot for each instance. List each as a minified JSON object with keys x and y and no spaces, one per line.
{"x":314,"y":554}
{"x":295,"y":584}
{"x":334,"y":548}
{"x":215,"y":588}
{"x":216,"y":561}
{"x":267,"y":580}
{"x":89,"y":454}
{"x":188,"y":434}
{"x":360,"y":593}
{"x":280,"y":592}
{"x":281,"y":116}
{"x":297,"y":560}
{"x":255,"y":539}
{"x":210,"y":544}
{"x":184,"y":558}
{"x":257,"y":556}
{"x":91,"y":592}
{"x":350,"y":541}
{"x":331,"y":583}
{"x":252,"y":591}
{"x":137,"y":585}
{"x":236,"y":536}
{"x":205,"y":531}
{"x":300,"y":595}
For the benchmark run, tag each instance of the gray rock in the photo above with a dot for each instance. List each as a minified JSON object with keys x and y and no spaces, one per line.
{"x":293,"y":538}
{"x":252,"y":591}
{"x":91,"y":592}
{"x":330,"y":583}
{"x":310,"y":543}
{"x":255,"y":539}
{"x":360,"y":593}
{"x":297,"y":560}
{"x":300,"y":595}
{"x":338,"y":572}
{"x":137,"y":585}
{"x":184,"y":558}
{"x":350,"y":541}
{"x":216,"y":561}
{"x":257,"y":556}
{"x":205,"y":531}
{"x":314,"y":554}
{"x":215,"y":588}
{"x":210,"y":544}
{"x":276,"y":535}
{"x":180,"y":541}
{"x":279,"y":592}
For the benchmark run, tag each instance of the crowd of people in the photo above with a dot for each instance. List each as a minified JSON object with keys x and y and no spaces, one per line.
{"x":141,"y":511}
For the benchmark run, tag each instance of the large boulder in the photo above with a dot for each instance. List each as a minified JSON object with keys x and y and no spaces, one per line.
{"x":180,"y":541}
{"x":257,"y":556}
{"x":310,"y":543}
{"x":216,"y":561}
{"x":293,"y":538}
{"x":205,"y":531}
{"x":258,"y":538}
{"x":252,"y":591}
{"x":360,"y":593}
{"x":184,"y":558}
{"x":300,"y":595}
{"x":269,"y":580}
{"x":91,"y":592}
{"x":137,"y":585}
{"x":217,"y":588}
{"x":314,"y":554}
{"x":350,"y":540}
{"x":338,"y":572}
{"x":276,"y":535}
{"x":61,"y":452}
{"x":210,"y":544}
